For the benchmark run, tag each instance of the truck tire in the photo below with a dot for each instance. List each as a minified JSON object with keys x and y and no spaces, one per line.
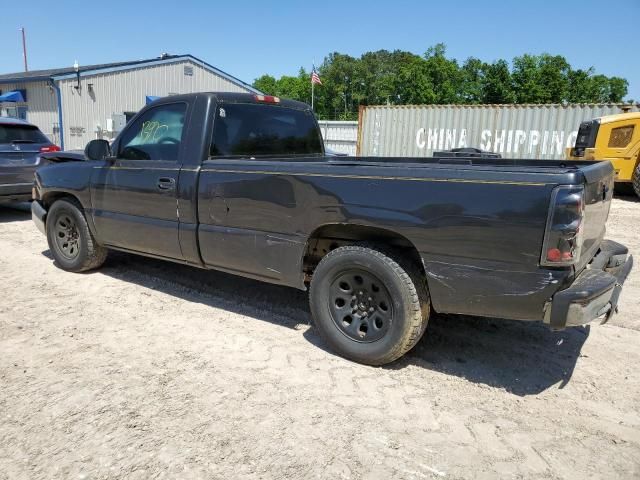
{"x":636,"y":180}
{"x":70,"y":240}
{"x":366,"y":306}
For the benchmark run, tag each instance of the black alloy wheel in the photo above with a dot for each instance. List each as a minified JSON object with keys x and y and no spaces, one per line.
{"x":368,"y":303}
{"x":361,"y":306}
{"x":71,"y":242}
{"x":67,"y":237}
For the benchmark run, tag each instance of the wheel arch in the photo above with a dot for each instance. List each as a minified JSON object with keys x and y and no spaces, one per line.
{"x":49,"y":198}
{"x":330,"y":236}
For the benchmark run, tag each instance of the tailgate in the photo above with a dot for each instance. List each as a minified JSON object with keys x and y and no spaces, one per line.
{"x":599,"y":178}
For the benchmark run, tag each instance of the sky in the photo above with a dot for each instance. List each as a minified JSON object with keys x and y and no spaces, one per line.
{"x":248,"y":38}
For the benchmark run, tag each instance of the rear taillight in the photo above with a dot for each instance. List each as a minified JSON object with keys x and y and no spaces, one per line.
{"x":266,"y":98}
{"x":563,"y":235}
{"x":49,"y":149}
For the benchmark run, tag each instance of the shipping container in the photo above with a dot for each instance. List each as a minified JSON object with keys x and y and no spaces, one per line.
{"x":514,"y":131}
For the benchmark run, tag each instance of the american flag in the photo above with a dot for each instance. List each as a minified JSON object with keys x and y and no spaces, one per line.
{"x":315,"y":78}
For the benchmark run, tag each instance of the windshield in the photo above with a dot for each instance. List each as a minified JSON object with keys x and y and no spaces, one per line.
{"x":21,"y":134}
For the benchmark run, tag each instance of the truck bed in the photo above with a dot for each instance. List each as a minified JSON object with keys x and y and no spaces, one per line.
{"x":463,"y":169}
{"x":478,"y":164}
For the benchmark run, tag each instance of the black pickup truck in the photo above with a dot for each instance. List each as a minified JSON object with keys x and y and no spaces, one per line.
{"x":241,"y":183}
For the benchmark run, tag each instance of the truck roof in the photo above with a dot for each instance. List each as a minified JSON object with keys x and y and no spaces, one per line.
{"x":229,"y":97}
{"x":620,"y":117}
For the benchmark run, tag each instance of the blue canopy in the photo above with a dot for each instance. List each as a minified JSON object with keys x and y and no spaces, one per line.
{"x":151,"y":98}
{"x":14,"y":96}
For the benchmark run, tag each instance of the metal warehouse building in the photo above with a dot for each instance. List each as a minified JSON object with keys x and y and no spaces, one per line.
{"x":77,"y":104}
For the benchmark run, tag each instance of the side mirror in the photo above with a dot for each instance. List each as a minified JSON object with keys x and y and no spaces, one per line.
{"x":97,"y":150}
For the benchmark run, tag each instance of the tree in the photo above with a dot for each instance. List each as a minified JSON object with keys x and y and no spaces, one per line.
{"x":526,"y":79}
{"x":618,"y":88}
{"x":414,"y":83}
{"x":472,"y":81}
{"x":266,"y":84}
{"x":443,"y":73}
{"x":554,"y":71}
{"x":400,"y":78}
{"x":335,"y":95}
{"x":497,"y":86}
{"x":580,"y":88}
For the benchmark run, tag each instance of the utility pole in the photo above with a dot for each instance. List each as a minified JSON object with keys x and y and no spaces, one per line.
{"x":24,"y":50}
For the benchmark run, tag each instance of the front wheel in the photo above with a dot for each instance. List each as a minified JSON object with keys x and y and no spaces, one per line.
{"x":366,"y":306}
{"x":636,"y":180}
{"x":70,"y":241}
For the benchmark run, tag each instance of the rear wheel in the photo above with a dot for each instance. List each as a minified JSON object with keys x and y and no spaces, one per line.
{"x":366,"y":306}
{"x":636,"y":179}
{"x":70,"y":240}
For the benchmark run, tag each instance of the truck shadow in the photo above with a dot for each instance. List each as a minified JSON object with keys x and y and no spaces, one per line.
{"x":522,"y":358}
{"x":15,"y":212}
{"x":624,"y":191}
{"x":628,"y":198}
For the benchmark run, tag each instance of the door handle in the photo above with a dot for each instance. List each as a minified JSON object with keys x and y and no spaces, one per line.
{"x":166,"y":183}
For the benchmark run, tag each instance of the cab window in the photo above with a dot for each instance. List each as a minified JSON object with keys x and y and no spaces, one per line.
{"x":156,"y":135}
{"x":621,"y":137}
{"x":252,"y":130}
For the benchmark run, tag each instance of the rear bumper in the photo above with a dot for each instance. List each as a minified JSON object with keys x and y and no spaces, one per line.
{"x":595,"y":291}
{"x":15,"y":192}
{"x":39,"y":216}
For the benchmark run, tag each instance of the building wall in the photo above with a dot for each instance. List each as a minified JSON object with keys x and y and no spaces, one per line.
{"x":339,"y":135}
{"x":85,"y":112}
{"x":42,"y":106}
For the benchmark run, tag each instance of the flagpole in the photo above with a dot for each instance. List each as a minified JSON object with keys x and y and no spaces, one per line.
{"x":313,"y":69}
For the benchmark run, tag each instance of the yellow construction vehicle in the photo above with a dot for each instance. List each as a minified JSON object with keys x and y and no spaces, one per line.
{"x":615,"y":138}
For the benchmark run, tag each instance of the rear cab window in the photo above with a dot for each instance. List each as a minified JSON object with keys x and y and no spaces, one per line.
{"x":254,"y":130}
{"x":15,"y":133}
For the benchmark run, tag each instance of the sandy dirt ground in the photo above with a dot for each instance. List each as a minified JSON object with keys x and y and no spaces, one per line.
{"x":146,"y":369}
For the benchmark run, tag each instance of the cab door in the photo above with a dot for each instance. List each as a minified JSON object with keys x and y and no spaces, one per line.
{"x":134,"y":197}
{"x":251,"y":210}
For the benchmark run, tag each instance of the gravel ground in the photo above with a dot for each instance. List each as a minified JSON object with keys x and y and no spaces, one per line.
{"x":146,"y":369}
